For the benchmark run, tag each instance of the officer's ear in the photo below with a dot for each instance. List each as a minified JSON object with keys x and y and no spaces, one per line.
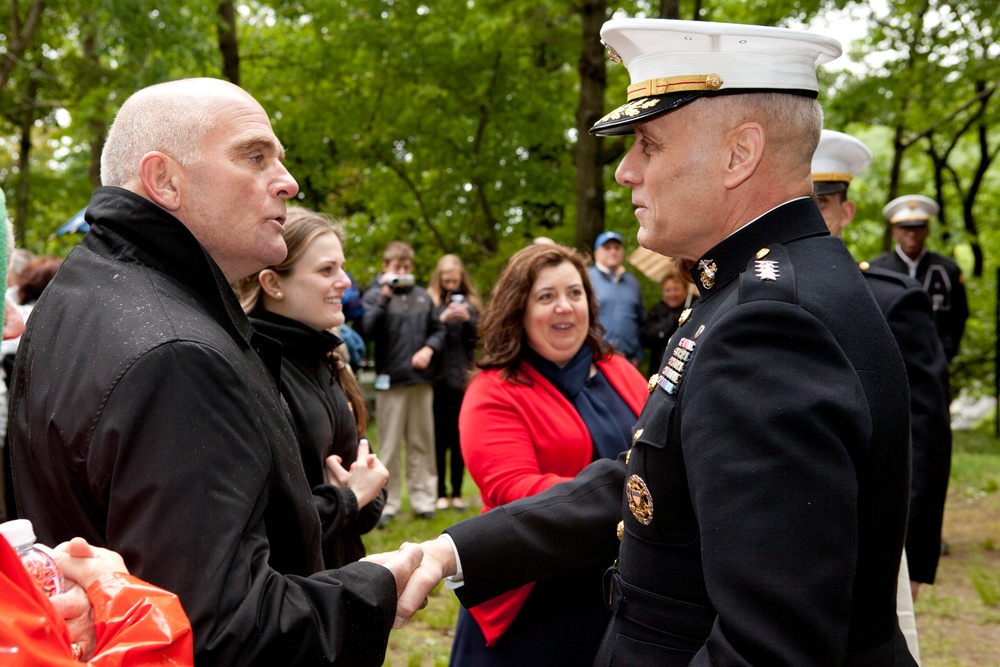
{"x":161,"y":176}
{"x":745,"y":150}
{"x":849,"y":208}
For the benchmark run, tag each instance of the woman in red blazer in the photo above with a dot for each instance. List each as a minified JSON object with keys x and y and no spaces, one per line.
{"x":550,"y":397}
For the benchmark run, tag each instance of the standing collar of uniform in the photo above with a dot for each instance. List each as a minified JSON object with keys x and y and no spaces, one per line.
{"x":911,"y":264}
{"x":157,"y":239}
{"x":795,"y":219}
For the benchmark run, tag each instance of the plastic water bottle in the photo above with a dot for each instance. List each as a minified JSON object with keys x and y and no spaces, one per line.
{"x":36,"y":559}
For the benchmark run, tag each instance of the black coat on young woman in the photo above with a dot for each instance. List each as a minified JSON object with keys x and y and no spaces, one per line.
{"x":324,"y":426}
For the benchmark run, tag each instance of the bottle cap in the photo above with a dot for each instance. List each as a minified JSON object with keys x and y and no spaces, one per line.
{"x":19,"y":532}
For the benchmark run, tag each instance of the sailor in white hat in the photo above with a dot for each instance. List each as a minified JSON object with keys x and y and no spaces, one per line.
{"x":837,"y":160}
{"x":940,"y":276}
{"x":760,"y":513}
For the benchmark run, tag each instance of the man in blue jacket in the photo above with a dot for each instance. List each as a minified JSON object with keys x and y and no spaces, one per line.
{"x":619,"y":296}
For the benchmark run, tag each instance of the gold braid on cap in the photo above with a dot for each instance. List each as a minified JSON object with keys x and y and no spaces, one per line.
{"x":674,"y":84}
{"x":832,"y":177}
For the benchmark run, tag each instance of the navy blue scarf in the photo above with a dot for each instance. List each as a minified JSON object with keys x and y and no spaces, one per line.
{"x":605,"y":413}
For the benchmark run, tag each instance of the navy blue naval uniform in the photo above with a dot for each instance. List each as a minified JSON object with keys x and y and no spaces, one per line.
{"x":907,"y":309}
{"x":942,"y":280}
{"x":763,"y":503}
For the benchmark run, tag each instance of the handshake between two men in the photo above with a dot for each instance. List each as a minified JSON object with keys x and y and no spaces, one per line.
{"x":418,"y":568}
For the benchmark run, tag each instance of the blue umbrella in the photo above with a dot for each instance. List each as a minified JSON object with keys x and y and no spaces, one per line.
{"x":74,"y":225}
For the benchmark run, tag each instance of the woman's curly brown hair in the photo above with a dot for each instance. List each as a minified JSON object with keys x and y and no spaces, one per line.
{"x":501,"y":333}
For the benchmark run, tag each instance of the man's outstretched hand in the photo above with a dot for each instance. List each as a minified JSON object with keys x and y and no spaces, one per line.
{"x":438,"y":562}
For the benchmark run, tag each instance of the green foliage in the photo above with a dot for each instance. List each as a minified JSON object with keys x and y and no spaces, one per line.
{"x":451,"y":125}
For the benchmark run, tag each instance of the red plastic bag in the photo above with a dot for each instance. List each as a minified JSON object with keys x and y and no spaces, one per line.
{"x":136,"y":623}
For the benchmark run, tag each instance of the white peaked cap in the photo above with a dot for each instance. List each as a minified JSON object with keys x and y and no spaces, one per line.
{"x":671,"y":63}
{"x":838,"y":159}
{"x":910,"y":210}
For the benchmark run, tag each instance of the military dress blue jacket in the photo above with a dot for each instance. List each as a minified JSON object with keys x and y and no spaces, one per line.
{"x":762,"y":506}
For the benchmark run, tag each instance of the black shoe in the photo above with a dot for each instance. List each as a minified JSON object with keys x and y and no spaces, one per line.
{"x":385,"y":520}
{"x":426,"y":515}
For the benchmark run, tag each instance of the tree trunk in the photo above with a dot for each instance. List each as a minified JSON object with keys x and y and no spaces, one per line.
{"x":670,"y":9}
{"x":96,"y":124}
{"x":227,"y":42}
{"x":20,"y":37}
{"x":22,"y":196}
{"x":589,"y":165}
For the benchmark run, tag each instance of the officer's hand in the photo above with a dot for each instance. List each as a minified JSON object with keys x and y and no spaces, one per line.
{"x":404,"y":565}
{"x":438,"y":563}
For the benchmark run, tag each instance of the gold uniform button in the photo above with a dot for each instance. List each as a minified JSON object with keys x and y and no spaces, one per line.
{"x":628,"y":455}
{"x":864,"y":266}
{"x":637,"y":435}
{"x":621,"y":530}
{"x":763,"y":252}
{"x":653,"y":381}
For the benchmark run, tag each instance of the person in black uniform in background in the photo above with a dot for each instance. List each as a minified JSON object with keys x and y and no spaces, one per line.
{"x":763,"y":501}
{"x":940,"y":276}
{"x":907,"y":309}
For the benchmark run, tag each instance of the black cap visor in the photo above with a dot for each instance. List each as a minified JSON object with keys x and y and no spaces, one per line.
{"x":829,"y":187}
{"x":622,"y":120}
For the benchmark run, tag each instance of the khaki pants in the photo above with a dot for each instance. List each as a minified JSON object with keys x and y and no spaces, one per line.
{"x":407,"y":413}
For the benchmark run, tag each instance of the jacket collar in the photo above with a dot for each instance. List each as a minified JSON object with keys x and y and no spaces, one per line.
{"x":298,"y":341}
{"x":131,"y":228}
{"x":788,"y":222}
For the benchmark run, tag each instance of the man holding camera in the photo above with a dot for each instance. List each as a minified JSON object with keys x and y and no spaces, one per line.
{"x":399,"y":318}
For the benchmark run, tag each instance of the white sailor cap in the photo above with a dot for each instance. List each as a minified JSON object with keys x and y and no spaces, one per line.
{"x":838,"y":159}
{"x":910,"y":211}
{"x":672,"y":63}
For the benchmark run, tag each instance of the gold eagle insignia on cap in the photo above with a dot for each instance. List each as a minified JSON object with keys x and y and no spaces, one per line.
{"x":612,"y":54}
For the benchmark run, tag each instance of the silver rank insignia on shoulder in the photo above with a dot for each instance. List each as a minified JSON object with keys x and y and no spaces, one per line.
{"x":640,"y":501}
{"x":766,"y":269}
{"x":669,"y":378}
{"x":708,"y":269}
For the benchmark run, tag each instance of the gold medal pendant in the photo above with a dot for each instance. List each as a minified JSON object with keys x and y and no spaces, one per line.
{"x":640,"y":502}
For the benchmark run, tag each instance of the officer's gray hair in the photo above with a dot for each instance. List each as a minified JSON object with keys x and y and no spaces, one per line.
{"x":793,"y":122}
{"x":151,"y":121}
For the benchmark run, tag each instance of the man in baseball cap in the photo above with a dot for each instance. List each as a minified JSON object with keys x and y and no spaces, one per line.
{"x":619,"y":296}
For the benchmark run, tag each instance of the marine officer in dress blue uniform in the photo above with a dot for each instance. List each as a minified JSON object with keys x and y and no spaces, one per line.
{"x":940,"y":276}
{"x":907,"y":309}
{"x":762,"y":506}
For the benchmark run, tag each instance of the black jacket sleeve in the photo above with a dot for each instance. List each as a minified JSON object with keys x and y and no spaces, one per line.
{"x":567,"y":527}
